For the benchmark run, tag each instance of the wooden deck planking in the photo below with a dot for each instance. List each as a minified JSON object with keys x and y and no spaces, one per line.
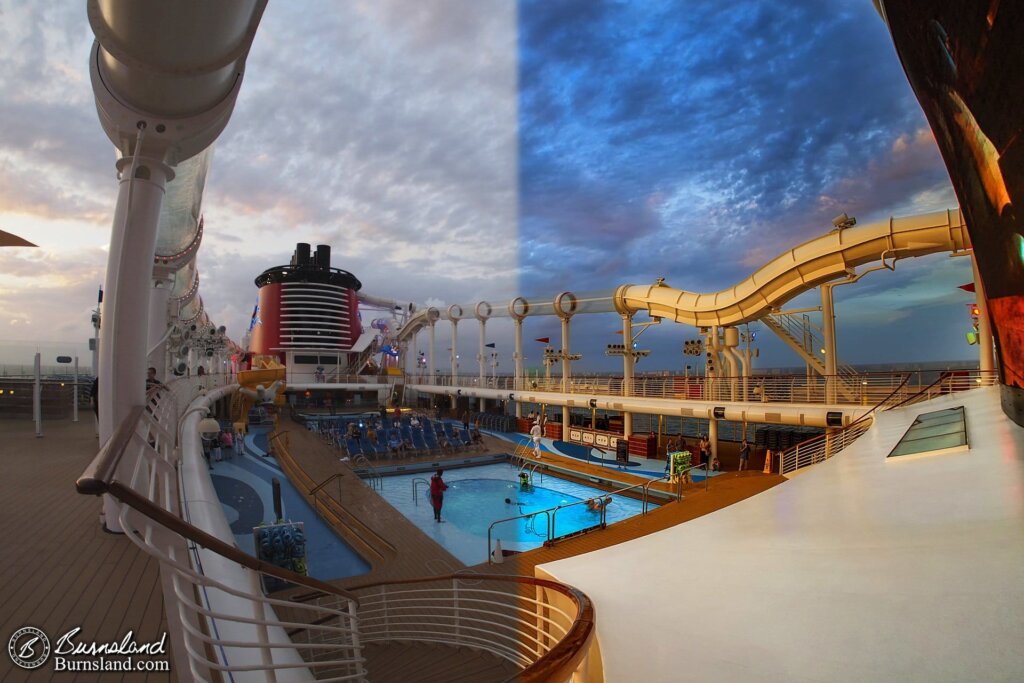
{"x":62,"y":569}
{"x":415,"y":554}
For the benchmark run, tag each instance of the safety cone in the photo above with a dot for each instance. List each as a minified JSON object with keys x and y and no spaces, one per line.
{"x":497,"y":556}
{"x":768,"y":462}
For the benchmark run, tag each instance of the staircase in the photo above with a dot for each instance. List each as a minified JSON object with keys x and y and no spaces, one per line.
{"x":807,"y":339}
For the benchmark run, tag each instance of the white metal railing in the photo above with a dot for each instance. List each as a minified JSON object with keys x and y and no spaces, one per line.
{"x":313,"y":377}
{"x":863,"y":390}
{"x":227,"y":628}
{"x":543,"y":627}
{"x":824,"y":446}
{"x":213,"y":624}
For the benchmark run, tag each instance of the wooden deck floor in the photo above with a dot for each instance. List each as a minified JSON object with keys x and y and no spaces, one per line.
{"x":59,"y":569}
{"x":403,"y":551}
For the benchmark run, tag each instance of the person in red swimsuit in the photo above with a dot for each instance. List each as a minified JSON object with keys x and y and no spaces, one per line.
{"x":437,"y":489}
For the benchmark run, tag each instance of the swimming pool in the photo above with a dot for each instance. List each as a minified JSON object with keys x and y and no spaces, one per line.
{"x":476,"y":498}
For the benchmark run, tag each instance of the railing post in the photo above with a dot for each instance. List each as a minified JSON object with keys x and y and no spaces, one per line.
{"x":387,"y":620}
{"x":263,"y":638}
{"x":455,"y":590}
{"x":353,"y":622}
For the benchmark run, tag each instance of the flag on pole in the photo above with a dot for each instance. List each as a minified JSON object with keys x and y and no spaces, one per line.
{"x":544,"y":340}
{"x":969,"y":287}
{"x":490,"y":346}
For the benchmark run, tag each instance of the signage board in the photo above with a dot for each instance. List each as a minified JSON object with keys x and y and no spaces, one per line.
{"x":622,"y":452}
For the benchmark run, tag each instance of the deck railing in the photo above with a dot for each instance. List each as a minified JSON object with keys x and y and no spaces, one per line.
{"x":545,"y":628}
{"x":861,"y":390}
{"x":824,"y":446}
{"x":227,"y":628}
{"x":215,"y":626}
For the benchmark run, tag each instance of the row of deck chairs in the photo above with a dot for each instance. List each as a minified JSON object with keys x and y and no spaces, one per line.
{"x":431,"y":439}
{"x":494,"y":422}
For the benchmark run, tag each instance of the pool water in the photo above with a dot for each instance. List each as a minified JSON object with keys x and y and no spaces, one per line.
{"x":476,"y":498}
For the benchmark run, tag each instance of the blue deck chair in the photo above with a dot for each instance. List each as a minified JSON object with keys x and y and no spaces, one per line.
{"x":419,"y":441}
{"x":369,"y":450}
{"x":453,"y":435}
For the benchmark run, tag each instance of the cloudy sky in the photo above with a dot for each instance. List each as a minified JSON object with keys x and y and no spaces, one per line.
{"x":462,"y":149}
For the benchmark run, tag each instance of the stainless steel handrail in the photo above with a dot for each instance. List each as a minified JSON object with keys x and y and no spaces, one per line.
{"x":527,"y":515}
{"x":415,"y":495}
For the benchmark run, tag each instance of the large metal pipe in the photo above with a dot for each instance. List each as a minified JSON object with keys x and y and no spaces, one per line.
{"x":800,"y":269}
{"x":174,"y":59}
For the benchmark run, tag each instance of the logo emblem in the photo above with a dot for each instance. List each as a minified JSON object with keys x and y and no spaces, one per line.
{"x":29,"y":647}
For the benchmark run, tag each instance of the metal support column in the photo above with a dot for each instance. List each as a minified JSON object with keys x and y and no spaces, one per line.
{"x":986,"y":361}
{"x":627,"y":372}
{"x":828,"y":326}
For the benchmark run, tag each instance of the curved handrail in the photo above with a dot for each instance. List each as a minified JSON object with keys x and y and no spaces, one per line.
{"x":559,"y":662}
{"x":983,"y":378}
{"x":526,"y":515}
{"x":100,"y":478}
{"x":415,"y":491}
{"x":863,"y":418}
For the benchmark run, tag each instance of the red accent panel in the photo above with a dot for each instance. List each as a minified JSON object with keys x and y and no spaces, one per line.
{"x":267,"y":334}
{"x":354,"y":326}
{"x":1010,"y":311}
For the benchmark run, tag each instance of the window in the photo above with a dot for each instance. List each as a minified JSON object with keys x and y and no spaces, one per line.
{"x":942,"y":430}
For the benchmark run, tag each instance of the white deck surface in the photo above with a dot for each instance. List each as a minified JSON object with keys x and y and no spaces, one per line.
{"x":862,"y":569}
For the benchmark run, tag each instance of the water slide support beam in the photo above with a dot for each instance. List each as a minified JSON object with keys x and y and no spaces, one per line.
{"x":828,"y":324}
{"x":566,"y":372}
{"x":480,"y":361}
{"x":518,"y":357}
{"x":126,"y":299}
{"x":453,"y":357}
{"x":985,"y":360}
{"x":627,"y":372}
{"x":430,"y":356}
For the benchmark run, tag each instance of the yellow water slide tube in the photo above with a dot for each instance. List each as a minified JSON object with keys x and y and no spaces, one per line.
{"x":822,"y":259}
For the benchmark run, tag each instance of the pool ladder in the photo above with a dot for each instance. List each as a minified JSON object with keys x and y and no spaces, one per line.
{"x":415,"y":489}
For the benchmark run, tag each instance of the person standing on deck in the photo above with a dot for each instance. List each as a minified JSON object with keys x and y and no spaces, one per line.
{"x":535,"y":435}
{"x":744,"y":455}
{"x":705,"y":451}
{"x":437,"y":489}
{"x":239,"y":442}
